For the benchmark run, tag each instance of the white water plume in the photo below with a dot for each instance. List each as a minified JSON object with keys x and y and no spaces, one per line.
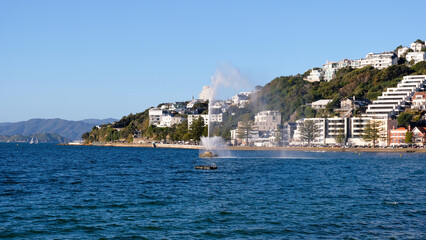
{"x":226,"y":77}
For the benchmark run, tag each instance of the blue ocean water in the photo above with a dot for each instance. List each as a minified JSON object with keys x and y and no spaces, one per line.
{"x":78,"y":192}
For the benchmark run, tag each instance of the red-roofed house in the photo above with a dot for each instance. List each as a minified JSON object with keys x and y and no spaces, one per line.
{"x":397,"y":136}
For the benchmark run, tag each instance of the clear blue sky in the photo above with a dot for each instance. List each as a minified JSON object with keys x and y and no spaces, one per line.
{"x":98,"y":59}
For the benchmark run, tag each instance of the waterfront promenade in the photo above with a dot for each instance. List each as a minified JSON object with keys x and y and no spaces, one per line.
{"x":312,"y":149}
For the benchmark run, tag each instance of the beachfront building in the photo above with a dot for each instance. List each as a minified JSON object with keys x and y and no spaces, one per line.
{"x":267,"y":121}
{"x":288,"y":133}
{"x":328,"y":129}
{"x":357,"y":126}
{"x":351,"y":128}
{"x":419,"y":136}
{"x":397,"y":136}
{"x":319,"y":139}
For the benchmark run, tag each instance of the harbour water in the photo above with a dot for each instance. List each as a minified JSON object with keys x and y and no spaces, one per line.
{"x":78,"y":192}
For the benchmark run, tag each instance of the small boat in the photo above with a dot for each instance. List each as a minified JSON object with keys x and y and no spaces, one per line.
{"x":32,"y":141}
{"x":206,"y":167}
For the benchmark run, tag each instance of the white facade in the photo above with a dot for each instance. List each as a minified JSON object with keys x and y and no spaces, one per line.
{"x":416,"y":46}
{"x":168,"y":121}
{"x":401,"y":51}
{"x":358,"y":124}
{"x":315,"y":75}
{"x":267,"y":120}
{"x":206,"y":93}
{"x":352,"y":128}
{"x":254,"y":135}
{"x":214,"y":118}
{"x":380,"y":60}
{"x":240,"y":99}
{"x":155,"y":115}
{"x":395,"y":100}
{"x":321,"y":104}
{"x":419,"y":101}
{"x":416,"y":57}
{"x":319,"y":122}
{"x":329,"y":69}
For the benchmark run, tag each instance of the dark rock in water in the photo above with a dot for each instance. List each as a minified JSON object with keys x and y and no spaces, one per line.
{"x":208,"y":154}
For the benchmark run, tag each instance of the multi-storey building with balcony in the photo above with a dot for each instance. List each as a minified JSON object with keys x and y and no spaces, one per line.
{"x":380,"y":60}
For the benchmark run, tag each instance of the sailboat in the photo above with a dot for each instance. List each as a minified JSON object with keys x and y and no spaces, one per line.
{"x":36,"y":141}
{"x":32,"y":141}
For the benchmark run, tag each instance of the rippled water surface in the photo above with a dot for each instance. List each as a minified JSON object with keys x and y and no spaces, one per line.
{"x":76,"y":192}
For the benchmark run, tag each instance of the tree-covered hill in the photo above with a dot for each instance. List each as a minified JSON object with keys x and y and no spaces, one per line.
{"x":290,"y":94}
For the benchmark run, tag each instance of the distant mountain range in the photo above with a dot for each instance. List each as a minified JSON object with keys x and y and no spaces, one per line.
{"x":67,"y":129}
{"x":38,"y":138}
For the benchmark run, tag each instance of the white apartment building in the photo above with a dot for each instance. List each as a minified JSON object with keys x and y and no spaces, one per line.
{"x":416,"y":57}
{"x":214,"y":118}
{"x":380,"y":60}
{"x":395,"y":100}
{"x":321,"y":137}
{"x":267,"y":120}
{"x":329,"y":128}
{"x":352,"y":128}
{"x":315,"y":75}
{"x":155,"y":115}
{"x":206,"y":93}
{"x":169,"y":120}
{"x":357,"y":126}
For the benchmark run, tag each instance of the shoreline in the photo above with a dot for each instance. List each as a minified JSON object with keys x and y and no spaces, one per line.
{"x":245,"y":148}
